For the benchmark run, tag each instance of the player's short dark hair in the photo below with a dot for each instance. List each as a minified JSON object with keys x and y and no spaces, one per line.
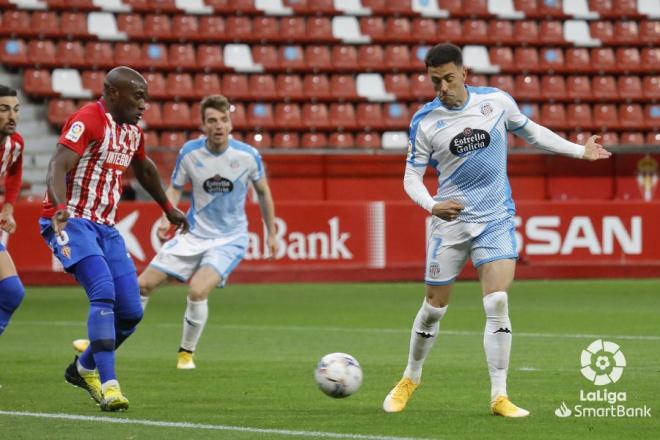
{"x":7,"y":91}
{"x":217,"y":102}
{"x":444,"y":53}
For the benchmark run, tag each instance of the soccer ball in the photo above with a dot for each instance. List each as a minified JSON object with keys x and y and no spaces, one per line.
{"x":338,"y":375}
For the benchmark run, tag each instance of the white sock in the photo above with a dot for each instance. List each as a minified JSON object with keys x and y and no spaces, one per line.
{"x":81,"y":369}
{"x":144,"y":300}
{"x":497,"y":341}
{"x":194,"y":319}
{"x":109,"y":383}
{"x":424,"y":332}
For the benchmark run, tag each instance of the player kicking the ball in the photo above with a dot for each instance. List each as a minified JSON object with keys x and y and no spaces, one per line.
{"x":462,"y":133}
{"x":220,"y":170}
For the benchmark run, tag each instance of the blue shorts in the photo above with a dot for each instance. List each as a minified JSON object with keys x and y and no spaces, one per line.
{"x":2,"y":247}
{"x":82,"y":238}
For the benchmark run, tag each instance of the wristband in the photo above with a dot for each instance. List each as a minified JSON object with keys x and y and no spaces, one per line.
{"x":167,"y":207}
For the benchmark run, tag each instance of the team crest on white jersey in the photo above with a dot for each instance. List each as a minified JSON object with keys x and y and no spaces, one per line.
{"x":75,"y":131}
{"x":486,"y":109}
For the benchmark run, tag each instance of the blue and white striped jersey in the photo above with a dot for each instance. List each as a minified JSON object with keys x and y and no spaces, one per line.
{"x":219,"y":186}
{"x":468,"y":147}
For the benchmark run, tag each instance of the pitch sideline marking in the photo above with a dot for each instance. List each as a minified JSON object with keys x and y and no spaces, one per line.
{"x":186,"y":425}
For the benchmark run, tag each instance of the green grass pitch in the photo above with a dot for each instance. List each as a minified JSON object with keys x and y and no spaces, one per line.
{"x":255,"y":362}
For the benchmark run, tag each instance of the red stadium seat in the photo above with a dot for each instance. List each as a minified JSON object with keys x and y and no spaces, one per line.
{"x":475,"y":32}
{"x":551,"y":32}
{"x":238,"y":119}
{"x":649,"y":33}
{"x":398,"y":84}
{"x":258,"y":139}
{"x":266,"y":28}
{"x":626,"y":32}
{"x":286,"y":140}
{"x":45,"y":23}
{"x":503,"y":82}
{"x":396,"y":116}
{"x":235,"y":86}
{"x":501,"y":31}
{"x":342,"y":116}
{"x":262,"y":87}
{"x":288,"y":116}
{"x":343,"y":87}
{"x":314,"y":140}
{"x":628,"y":59}
{"x":185,"y":27}
{"x":632,"y":138}
{"x":292,"y":29}
{"x":605,"y":116}
{"x":131,"y":24}
{"x":212,"y":27}
{"x":579,"y":137}
{"x":153,"y":56}
{"x":370,"y":116}
{"x":624,"y":8}
{"x":579,"y":116}
{"x":157,"y":27}
{"x":176,"y":115}
{"x":42,"y":53}
{"x":345,"y":58}
{"x":477,"y":80}
{"x":397,"y":29}
{"x":651,"y":116}
{"x":73,"y":24}
{"x":553,"y":116}
{"x":552,"y":59}
{"x":71,"y":54}
{"x":59,"y":110}
{"x":631,"y":117}
{"x":367,"y":140}
{"x":578,"y":87}
{"x":266,"y":56}
{"x":37,"y":82}
{"x":502,"y":56}
{"x":16,"y":22}
{"x":525,"y":32}
{"x":196,"y":114}
{"x":553,"y":86}
{"x":260,"y":115}
{"x":157,"y":85}
{"x":604,"y":87}
{"x":577,"y":59}
{"x":152,"y":115}
{"x":529,"y":7}
{"x":630,"y":87}
{"x":99,"y":54}
{"x":151,"y":139}
{"x":651,"y":87}
{"x":450,"y":29}
{"x":609,"y":138}
{"x":398,"y":7}
{"x":239,"y":27}
{"x":289,"y":87}
{"x":532,"y":111}
{"x":243,"y":6}
{"x":526,"y":59}
{"x":315,"y":116}
{"x":421,"y":87}
{"x":602,"y":30}
{"x":425,"y":30}
{"x":318,"y":58}
{"x":14,"y":53}
{"x":316,"y":86}
{"x":653,"y":138}
{"x":476,"y":7}
{"x":396,"y":57}
{"x":93,"y":80}
{"x":650,"y":59}
{"x":602,"y":59}
{"x":210,"y":57}
{"x":603,"y":7}
{"x":318,"y":29}
{"x":172,"y":140}
{"x":180,"y":86}
{"x":454,"y":7}
{"x":182,"y":56}
{"x":550,"y":8}
{"x":527,"y":87}
{"x":341,"y":140}
{"x":370,"y":57}
{"x":291,"y":58}
{"x":373,"y":27}
{"x":417,"y":61}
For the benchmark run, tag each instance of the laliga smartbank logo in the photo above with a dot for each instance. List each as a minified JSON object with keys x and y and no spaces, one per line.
{"x":602,"y":364}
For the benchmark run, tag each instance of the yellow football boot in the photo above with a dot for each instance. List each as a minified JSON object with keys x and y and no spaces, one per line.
{"x":397,"y":399}
{"x":502,"y":406}
{"x":184,"y":361}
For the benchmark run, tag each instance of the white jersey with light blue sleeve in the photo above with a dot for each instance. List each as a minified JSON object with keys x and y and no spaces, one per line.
{"x":468,"y":149}
{"x":219,"y":186}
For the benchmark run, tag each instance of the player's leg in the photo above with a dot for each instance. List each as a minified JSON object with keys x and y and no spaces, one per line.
{"x":443,"y":263}
{"x":148,"y":281}
{"x":494,"y":253}
{"x":128,"y":310}
{"x":11,"y":288}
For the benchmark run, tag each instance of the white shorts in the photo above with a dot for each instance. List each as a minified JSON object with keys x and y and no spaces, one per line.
{"x":450,"y":243}
{"x":181,"y":256}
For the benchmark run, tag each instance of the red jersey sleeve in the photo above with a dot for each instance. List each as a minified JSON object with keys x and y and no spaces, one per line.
{"x":82,"y":128}
{"x":140,"y":153}
{"x":14,"y":177}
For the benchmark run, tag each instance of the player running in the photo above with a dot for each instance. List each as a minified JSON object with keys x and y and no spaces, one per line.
{"x":97,"y":144}
{"x":462,"y":134}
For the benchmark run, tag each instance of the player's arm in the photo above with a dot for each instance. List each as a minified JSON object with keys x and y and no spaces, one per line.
{"x":147,"y":174}
{"x":173,"y":195}
{"x":267,"y":207}
{"x":13,"y":183}
{"x":60,"y":164}
{"x":545,"y":139}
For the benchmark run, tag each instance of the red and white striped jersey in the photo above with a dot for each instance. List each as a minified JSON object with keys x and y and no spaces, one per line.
{"x":106,"y":149}
{"x":11,"y":165}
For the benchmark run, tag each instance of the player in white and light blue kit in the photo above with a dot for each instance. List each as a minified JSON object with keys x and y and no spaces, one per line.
{"x":220,"y":170}
{"x":462,"y":134}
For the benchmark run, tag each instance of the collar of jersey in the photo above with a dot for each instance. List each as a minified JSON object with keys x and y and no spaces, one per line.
{"x":467,"y":100}
{"x":206,"y":147}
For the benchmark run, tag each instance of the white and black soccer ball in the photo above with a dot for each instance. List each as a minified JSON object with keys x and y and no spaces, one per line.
{"x":338,"y":375}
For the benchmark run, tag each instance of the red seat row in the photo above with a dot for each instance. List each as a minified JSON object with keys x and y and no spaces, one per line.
{"x":597,"y":117}
{"x":628,"y":138}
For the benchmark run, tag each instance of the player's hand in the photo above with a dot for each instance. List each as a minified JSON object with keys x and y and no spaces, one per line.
{"x":273,"y":246}
{"x":178,"y":219}
{"x":59,"y":220}
{"x":7,"y":223}
{"x":163,"y":230}
{"x":594,"y":151}
{"x":447,"y":210}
